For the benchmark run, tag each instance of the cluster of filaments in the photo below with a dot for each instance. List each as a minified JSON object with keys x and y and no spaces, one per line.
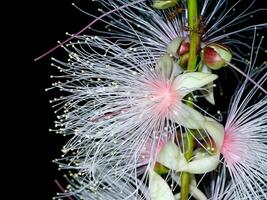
{"x":130,"y":117}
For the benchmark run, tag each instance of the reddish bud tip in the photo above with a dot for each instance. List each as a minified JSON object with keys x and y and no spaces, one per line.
{"x":216,"y":56}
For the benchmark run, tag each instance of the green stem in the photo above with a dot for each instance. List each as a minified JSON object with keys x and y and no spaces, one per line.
{"x":185,"y":179}
{"x":194,"y":34}
{"x":191,"y":66}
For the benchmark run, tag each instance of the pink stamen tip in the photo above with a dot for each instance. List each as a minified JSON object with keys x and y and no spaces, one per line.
{"x":85,"y":28}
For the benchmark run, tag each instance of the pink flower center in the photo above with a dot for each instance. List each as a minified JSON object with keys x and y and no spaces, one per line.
{"x":164,"y":97}
{"x":233,"y":149}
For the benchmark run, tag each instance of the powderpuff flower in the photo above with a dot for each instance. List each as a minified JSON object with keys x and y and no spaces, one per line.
{"x":84,"y":187}
{"x":116,"y":104}
{"x":244,"y":146}
{"x":138,"y":26}
{"x":145,"y":28}
{"x":222,"y":188}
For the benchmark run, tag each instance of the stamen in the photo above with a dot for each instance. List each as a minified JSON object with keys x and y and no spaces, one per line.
{"x":248,"y":77}
{"x":85,"y":28}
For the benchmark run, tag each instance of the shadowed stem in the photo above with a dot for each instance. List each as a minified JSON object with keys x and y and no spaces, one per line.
{"x":193,"y":20}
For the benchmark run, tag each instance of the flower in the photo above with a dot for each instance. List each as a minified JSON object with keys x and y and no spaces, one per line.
{"x":84,"y":187}
{"x":147,"y":28}
{"x":127,"y":107}
{"x":221,"y":188}
{"x":244,"y":146}
{"x":117,"y":104}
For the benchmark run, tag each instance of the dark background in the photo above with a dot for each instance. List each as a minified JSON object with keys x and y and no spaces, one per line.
{"x":51,"y":19}
{"x":47,"y":21}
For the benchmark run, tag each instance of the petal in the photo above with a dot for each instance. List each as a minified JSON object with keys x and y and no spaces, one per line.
{"x":209,"y":89}
{"x":209,"y":93}
{"x":216,"y":131}
{"x":165,"y":66}
{"x":188,"y":117}
{"x":177,"y":196}
{"x":202,"y":165}
{"x":159,"y":189}
{"x":197,"y":193}
{"x":171,"y":157}
{"x":164,"y":4}
{"x":192,"y":81}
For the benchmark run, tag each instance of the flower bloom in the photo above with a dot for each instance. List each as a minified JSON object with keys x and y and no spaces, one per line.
{"x":117,"y":104}
{"x":127,"y":109}
{"x":143,"y":26}
{"x":244,"y":146}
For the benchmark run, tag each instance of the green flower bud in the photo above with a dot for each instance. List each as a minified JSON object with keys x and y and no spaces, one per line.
{"x":164,"y":4}
{"x":216,"y":56}
{"x":183,"y":60}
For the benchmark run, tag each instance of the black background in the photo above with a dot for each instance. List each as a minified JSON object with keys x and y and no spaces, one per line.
{"x":51,"y":20}
{"x":45,"y":23}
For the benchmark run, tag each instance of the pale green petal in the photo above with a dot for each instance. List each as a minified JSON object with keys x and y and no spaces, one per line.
{"x":177,"y":196}
{"x":164,"y":4}
{"x":165,"y":66}
{"x":192,"y":81}
{"x":216,"y":131}
{"x":171,"y":157}
{"x":209,"y":89}
{"x":197,"y":193}
{"x":177,"y":69}
{"x":202,"y":165}
{"x":159,"y":189}
{"x":209,"y":93}
{"x":188,"y":117}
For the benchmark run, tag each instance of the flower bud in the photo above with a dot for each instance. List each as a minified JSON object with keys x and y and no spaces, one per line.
{"x":164,"y":4}
{"x":183,"y":60}
{"x":184,"y":47}
{"x":216,"y":56}
{"x":174,"y":46}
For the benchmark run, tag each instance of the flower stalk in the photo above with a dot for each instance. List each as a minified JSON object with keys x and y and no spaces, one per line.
{"x":191,"y":66}
{"x":193,"y":20}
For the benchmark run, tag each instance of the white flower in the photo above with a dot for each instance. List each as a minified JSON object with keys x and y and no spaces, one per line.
{"x":126,"y":106}
{"x":147,"y":28}
{"x":222,"y":188}
{"x":244,"y":147}
{"x":84,"y":187}
{"x":117,"y":104}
